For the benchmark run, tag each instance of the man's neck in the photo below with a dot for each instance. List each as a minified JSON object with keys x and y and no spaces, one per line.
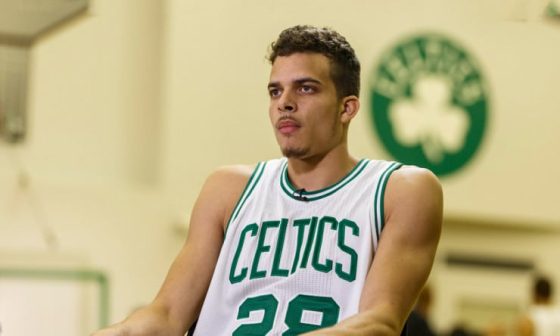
{"x":320,"y":172}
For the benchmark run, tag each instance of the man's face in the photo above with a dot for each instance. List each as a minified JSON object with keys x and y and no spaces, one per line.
{"x":304,"y":108}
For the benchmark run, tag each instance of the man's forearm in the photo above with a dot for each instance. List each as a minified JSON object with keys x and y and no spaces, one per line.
{"x":362,"y":324}
{"x":147,"y":321}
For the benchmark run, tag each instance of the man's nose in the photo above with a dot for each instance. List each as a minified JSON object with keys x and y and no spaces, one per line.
{"x":287,"y":103}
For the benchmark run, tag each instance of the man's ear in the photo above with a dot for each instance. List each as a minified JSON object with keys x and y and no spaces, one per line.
{"x":350,"y":107}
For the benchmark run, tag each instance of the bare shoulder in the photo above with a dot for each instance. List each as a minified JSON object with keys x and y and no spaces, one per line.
{"x":413,"y":191}
{"x":412,"y":181}
{"x":231,"y":176}
{"x":222,"y":189}
{"x":227,"y":182}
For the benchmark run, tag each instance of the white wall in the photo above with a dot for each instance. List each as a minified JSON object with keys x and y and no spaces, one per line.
{"x":132,"y":105}
{"x":94,"y":99}
{"x":88,"y":173}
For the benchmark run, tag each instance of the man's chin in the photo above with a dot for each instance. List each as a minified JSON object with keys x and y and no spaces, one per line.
{"x":295,"y":153}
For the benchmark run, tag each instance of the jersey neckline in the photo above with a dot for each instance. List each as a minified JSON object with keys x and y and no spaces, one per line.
{"x":298,"y":194}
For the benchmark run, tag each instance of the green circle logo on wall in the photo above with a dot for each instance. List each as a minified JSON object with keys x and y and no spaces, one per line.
{"x":429,"y":103}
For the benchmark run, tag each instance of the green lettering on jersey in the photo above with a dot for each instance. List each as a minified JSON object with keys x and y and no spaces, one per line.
{"x":276,"y":270}
{"x":310,"y":234}
{"x":252,"y":228}
{"x":351,"y":274}
{"x":327,"y":266}
{"x":309,"y":244}
{"x":261,"y":248}
{"x":300,"y":224}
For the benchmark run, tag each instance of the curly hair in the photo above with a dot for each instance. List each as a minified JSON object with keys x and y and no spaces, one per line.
{"x":345,"y":67}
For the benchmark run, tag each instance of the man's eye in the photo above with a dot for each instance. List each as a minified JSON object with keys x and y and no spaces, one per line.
{"x":307,"y":89}
{"x":273,"y":92}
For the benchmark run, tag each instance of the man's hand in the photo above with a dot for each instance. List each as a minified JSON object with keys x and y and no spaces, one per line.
{"x":114,"y":330}
{"x":151,"y":320}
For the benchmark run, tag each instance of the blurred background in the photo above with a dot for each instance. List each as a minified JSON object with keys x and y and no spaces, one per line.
{"x":113,"y":112}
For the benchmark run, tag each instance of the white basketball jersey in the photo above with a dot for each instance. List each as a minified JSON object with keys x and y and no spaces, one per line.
{"x":295,"y":261}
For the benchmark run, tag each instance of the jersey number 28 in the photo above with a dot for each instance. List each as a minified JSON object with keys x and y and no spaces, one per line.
{"x":294,"y":314}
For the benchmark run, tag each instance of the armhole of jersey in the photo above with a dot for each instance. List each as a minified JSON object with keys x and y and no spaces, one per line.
{"x":379,"y":202}
{"x":249,"y":187}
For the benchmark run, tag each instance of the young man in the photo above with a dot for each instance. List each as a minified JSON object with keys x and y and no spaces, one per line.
{"x":317,"y":242}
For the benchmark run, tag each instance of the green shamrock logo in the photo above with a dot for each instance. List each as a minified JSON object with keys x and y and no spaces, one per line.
{"x":429,"y":103}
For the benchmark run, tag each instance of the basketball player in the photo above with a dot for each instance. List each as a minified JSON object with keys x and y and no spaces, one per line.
{"x":315,"y":243}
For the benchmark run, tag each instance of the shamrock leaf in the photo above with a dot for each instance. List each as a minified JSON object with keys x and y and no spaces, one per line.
{"x":429,"y":119}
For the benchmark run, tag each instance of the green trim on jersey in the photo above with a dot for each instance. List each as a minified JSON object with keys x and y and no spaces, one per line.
{"x":253,"y":180}
{"x":290,"y":190}
{"x":379,"y":199}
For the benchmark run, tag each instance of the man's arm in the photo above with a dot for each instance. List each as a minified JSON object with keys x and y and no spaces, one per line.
{"x":180,"y":298}
{"x":404,"y":258}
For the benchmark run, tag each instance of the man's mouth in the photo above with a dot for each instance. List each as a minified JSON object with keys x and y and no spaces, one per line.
{"x":287,"y":126}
